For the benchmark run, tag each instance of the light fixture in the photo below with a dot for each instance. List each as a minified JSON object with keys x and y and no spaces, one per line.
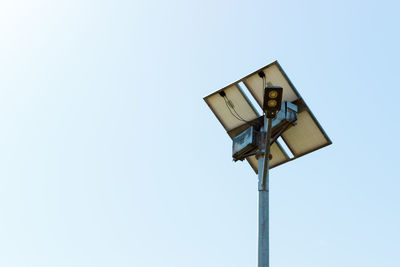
{"x":272,"y":100}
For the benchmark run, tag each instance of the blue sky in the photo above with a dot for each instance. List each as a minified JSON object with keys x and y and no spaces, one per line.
{"x":110,"y":157}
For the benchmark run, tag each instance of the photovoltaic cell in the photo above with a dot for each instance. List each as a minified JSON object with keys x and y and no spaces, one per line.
{"x":304,"y":137}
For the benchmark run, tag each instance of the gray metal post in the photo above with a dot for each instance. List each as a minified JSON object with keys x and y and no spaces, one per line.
{"x":263,"y":198}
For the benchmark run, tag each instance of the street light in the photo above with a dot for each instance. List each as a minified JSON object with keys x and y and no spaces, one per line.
{"x":272,"y":101}
{"x":255,"y":136}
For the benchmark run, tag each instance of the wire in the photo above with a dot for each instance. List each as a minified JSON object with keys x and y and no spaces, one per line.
{"x":264,"y":85}
{"x":237,"y":116}
{"x":263,"y":81}
{"x":231,"y":107}
{"x":234,"y":110}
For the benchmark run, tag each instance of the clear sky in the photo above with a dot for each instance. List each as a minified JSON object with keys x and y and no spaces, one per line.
{"x":110,"y":157}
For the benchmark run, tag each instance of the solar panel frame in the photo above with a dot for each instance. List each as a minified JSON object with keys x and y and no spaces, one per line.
{"x":303,"y":107}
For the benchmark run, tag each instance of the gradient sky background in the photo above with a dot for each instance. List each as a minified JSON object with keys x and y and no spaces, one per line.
{"x":110,"y":157}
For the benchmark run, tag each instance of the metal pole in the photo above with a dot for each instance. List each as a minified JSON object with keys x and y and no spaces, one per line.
{"x":263,"y":198}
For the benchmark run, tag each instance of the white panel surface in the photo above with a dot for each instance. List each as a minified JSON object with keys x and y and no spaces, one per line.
{"x":240,"y":103}
{"x":278,"y":156}
{"x":304,"y":137}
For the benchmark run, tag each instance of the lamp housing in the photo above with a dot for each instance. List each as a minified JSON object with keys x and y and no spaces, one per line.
{"x":272,"y":100}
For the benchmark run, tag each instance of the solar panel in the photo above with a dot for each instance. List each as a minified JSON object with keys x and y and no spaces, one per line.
{"x":235,"y":109}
